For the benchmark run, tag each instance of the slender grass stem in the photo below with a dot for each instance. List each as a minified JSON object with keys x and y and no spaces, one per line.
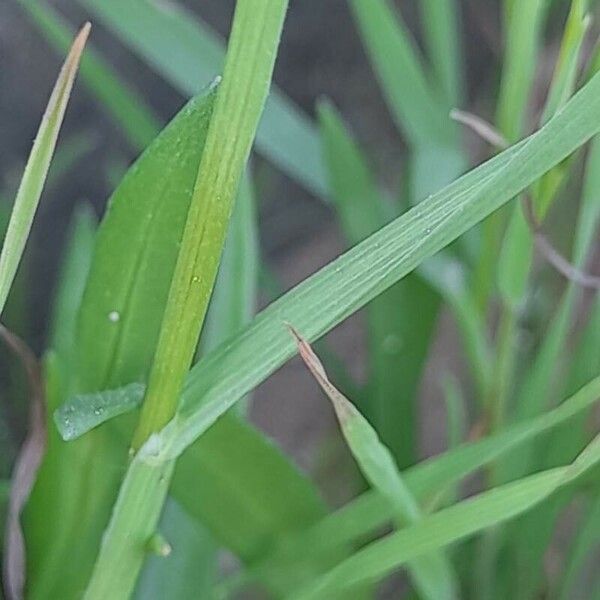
{"x":247,"y":76}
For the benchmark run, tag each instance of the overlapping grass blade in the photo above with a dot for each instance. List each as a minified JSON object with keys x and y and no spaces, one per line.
{"x":451,"y":524}
{"x":432,"y":478}
{"x":117,"y":327}
{"x":159,"y":31}
{"x":355,"y":278}
{"x":394,"y":367}
{"x":247,"y":76}
{"x":233,"y":302}
{"x":75,"y":269}
{"x":432,"y":573}
{"x":189,"y":570}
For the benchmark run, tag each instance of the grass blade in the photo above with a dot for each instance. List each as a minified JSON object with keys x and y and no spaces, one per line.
{"x":432,"y":574}
{"x":433,"y":477}
{"x":247,"y":75}
{"x":349,"y":282}
{"x":395,"y":367}
{"x":449,"y":525}
{"x":442,"y":35}
{"x":416,"y":108}
{"x":138,"y":124}
{"x":233,"y":302}
{"x":37,"y":167}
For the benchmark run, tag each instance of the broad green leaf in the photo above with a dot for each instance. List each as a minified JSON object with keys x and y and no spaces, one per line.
{"x":34,"y":176}
{"x":116,"y":333}
{"x":448,"y":525}
{"x":75,"y":269}
{"x":139,"y":125}
{"x":187,"y":53}
{"x":123,"y":349}
{"x":432,"y":573}
{"x":348,"y":283}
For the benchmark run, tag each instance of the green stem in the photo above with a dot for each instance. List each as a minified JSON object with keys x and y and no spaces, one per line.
{"x":237,"y":110}
{"x":247,"y":75}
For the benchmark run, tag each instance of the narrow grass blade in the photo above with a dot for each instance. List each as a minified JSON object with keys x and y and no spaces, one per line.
{"x":432,"y":574}
{"x":36,"y":170}
{"x":451,"y":524}
{"x":435,"y":476}
{"x":523,"y":27}
{"x":565,"y":71}
{"x":138,"y":124}
{"x":440,"y":19}
{"x":233,"y":303}
{"x":159,"y":31}
{"x":394,"y":367}
{"x":348,"y":283}
{"x":522,"y":33}
{"x":247,"y":76}
{"x":416,"y":108}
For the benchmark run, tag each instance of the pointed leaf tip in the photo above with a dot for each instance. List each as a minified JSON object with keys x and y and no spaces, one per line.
{"x":344,"y":409}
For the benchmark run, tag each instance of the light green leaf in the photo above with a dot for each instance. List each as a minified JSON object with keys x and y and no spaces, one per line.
{"x":395,"y":366}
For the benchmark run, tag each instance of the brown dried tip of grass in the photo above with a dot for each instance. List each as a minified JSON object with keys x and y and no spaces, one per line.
{"x":70,"y":66}
{"x":344,"y":409}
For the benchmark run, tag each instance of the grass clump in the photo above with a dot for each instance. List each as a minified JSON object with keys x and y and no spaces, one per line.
{"x":146,"y":466}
